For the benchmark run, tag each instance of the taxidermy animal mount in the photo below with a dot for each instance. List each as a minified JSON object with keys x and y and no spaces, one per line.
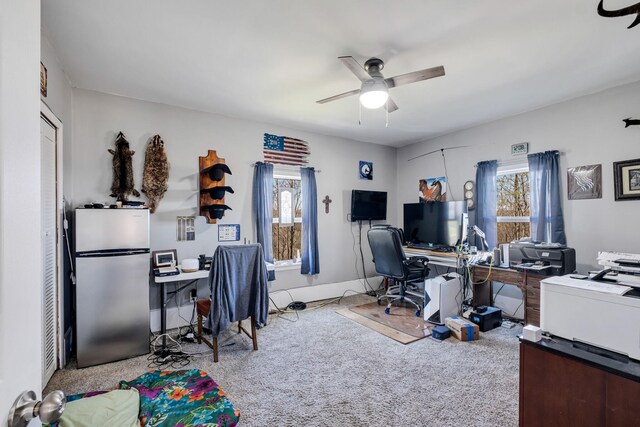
{"x":631,"y":122}
{"x":122,"y":185}
{"x":156,"y":172}
{"x":629,"y":10}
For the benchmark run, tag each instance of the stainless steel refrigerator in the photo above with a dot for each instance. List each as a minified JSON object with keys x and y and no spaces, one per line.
{"x":112,"y":287}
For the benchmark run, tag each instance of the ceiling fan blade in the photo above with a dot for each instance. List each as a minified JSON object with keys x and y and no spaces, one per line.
{"x":415,"y":76}
{"x":336,"y":97}
{"x":391,"y":106}
{"x":355,"y":68}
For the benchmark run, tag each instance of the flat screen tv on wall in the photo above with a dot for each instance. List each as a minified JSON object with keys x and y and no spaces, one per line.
{"x":368,"y":205}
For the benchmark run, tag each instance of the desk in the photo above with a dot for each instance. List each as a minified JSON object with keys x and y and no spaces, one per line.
{"x":445,"y":259}
{"x":161,"y":280}
{"x":527,"y":282}
{"x":565,"y":385}
{"x":181,"y":277}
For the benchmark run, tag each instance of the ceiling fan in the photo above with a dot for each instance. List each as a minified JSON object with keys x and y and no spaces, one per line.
{"x":374,"y":92}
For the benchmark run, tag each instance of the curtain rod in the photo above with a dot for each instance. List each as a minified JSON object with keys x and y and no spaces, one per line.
{"x":288,"y":166}
{"x":515,"y":161}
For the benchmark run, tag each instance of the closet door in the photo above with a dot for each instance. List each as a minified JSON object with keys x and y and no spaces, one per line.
{"x":49,"y":250}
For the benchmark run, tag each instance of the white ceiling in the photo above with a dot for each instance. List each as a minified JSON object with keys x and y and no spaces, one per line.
{"x":270,"y":60}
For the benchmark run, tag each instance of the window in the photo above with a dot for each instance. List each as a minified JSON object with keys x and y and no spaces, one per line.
{"x":513,"y":205}
{"x":287,"y":218}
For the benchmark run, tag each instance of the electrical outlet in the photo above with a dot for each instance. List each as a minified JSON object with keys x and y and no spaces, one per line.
{"x":193,"y":295}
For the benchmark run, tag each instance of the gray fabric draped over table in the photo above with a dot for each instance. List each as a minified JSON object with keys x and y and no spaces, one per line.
{"x":238,"y":283}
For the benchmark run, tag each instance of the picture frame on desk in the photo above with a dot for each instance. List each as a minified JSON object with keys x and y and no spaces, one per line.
{"x":164,"y":258}
{"x":626,"y":177}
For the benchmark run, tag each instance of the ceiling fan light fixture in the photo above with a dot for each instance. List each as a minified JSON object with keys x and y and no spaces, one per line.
{"x":374,"y":93}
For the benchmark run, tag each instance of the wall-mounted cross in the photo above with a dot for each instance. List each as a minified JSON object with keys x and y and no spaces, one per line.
{"x":326,"y":202}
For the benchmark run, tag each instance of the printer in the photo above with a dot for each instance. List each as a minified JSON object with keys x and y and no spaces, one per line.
{"x":551,"y":259}
{"x":621,"y":268}
{"x":601,"y":314}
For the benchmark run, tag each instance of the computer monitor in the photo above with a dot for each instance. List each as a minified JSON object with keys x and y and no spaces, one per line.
{"x":435,"y":224}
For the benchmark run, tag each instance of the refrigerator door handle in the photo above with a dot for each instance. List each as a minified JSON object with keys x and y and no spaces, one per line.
{"x":111,"y":253}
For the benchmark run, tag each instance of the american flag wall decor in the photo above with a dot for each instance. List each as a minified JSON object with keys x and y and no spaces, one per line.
{"x":285,"y":151}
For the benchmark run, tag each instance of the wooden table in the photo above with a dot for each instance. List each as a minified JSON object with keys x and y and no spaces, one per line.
{"x":527,"y":282}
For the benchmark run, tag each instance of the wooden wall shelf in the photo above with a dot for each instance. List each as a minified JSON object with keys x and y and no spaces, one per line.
{"x":208,"y":186}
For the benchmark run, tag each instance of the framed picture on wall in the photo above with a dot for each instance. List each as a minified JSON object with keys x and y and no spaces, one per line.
{"x":584,"y":182}
{"x":626,"y":178}
{"x":165,"y":258}
{"x":432,"y":189}
{"x":365,"y":169}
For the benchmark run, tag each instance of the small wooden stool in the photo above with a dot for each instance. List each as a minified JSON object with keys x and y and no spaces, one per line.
{"x":203,"y":307}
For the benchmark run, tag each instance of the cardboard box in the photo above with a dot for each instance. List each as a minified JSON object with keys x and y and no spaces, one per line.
{"x":462,"y":329}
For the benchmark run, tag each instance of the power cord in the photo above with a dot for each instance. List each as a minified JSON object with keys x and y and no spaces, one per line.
{"x":507,"y":315}
{"x":337,"y":300}
{"x":280,"y":311}
{"x":371,"y":292}
{"x":173,"y":358}
{"x":446,"y":175}
{"x":297,"y":305}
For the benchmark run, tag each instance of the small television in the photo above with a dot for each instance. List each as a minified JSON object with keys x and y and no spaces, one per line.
{"x":435,"y":224}
{"x":368,"y":205}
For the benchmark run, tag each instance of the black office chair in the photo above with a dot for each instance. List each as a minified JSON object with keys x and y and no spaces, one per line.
{"x":390,"y":262}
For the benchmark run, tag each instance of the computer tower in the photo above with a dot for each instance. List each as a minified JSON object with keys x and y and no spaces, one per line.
{"x":445,"y":294}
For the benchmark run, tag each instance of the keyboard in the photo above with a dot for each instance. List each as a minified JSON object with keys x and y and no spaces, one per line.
{"x":423,"y":246}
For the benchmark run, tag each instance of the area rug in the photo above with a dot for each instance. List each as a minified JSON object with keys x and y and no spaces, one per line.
{"x":401,"y":324}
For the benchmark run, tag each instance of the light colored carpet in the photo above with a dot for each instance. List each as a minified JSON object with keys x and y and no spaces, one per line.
{"x":325,"y":370}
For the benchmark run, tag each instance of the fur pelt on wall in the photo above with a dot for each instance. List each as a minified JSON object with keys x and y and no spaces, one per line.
{"x":122,"y":184}
{"x":156,"y":172}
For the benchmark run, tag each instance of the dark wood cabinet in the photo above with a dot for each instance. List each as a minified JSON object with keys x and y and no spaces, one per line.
{"x":559,"y":389}
{"x":622,"y":401}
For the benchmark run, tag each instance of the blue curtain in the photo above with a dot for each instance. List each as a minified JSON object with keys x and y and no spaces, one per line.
{"x":310,"y":256}
{"x":547,"y":221}
{"x":487,"y":200}
{"x":263,"y":206}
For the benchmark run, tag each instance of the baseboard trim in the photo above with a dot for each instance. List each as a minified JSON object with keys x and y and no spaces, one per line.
{"x":280,"y":297}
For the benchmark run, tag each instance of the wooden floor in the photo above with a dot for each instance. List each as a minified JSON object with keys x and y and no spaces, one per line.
{"x":401,"y":324}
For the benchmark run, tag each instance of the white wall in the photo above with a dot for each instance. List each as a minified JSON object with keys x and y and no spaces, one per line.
{"x":59,"y":99}
{"x":20,"y":247}
{"x":587,"y":130}
{"x":189,"y":134}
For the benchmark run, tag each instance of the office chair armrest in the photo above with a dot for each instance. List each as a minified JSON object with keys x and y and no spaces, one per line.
{"x":417,"y":262}
{"x":413,"y":261}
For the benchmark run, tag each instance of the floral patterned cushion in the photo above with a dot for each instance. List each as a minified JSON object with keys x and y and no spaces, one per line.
{"x":182,"y":399}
